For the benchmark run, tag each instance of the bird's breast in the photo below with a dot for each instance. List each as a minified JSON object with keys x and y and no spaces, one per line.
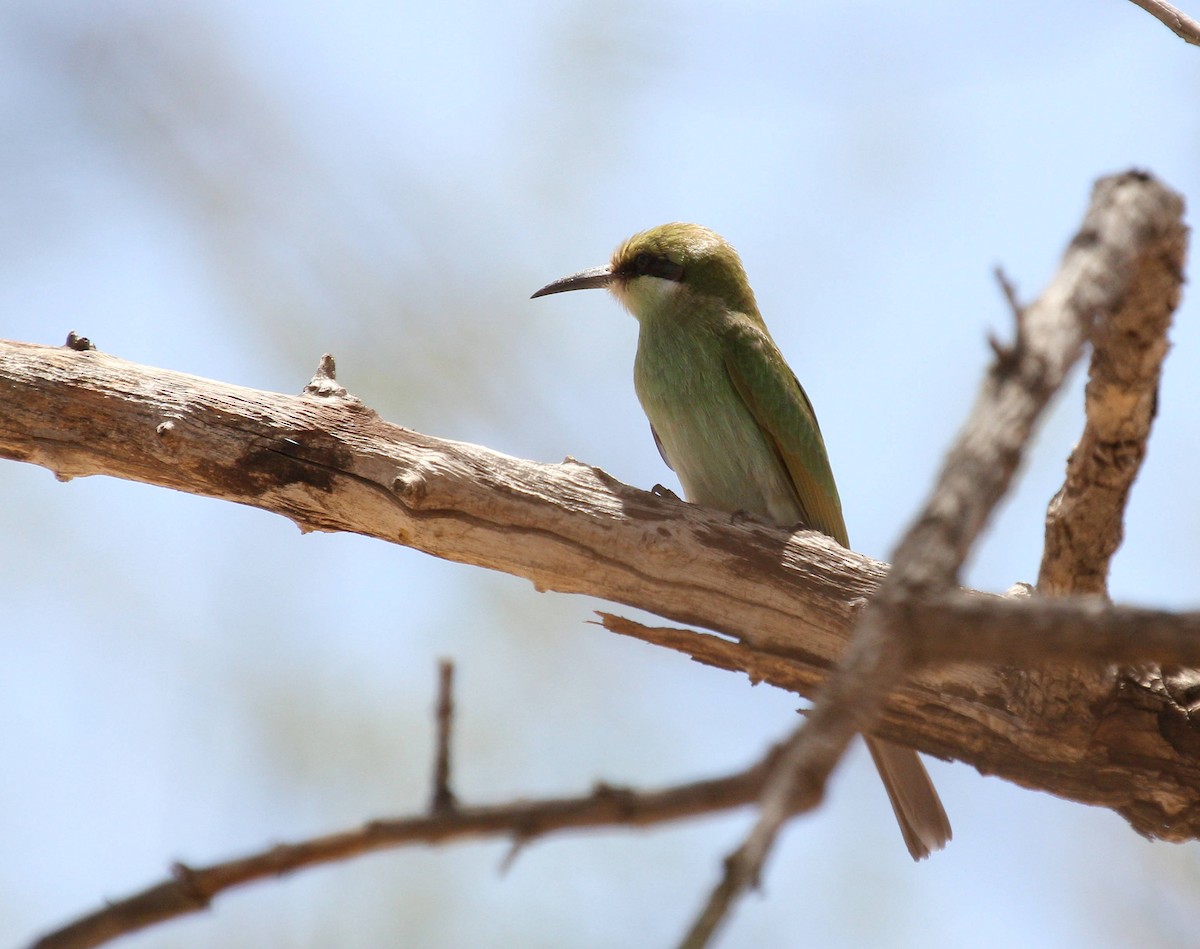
{"x":722,"y":456}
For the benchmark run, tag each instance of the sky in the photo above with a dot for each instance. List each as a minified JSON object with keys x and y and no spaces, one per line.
{"x":232,"y":190}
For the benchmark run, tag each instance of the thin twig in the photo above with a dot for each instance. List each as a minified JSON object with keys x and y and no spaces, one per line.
{"x":1009,"y":289}
{"x":847,"y":704}
{"x":1006,"y":352}
{"x":442,"y":799}
{"x":191,"y":889}
{"x":781,"y":798}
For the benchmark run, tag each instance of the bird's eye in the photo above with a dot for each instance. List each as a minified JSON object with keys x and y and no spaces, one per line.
{"x":646,"y":264}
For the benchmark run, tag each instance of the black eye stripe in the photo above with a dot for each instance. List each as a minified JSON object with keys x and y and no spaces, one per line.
{"x":646,"y":264}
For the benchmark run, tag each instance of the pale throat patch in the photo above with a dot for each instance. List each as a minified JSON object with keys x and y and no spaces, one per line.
{"x":644,"y":293}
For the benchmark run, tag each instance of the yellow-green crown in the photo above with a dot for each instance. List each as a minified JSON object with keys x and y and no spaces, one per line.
{"x":700,"y":259}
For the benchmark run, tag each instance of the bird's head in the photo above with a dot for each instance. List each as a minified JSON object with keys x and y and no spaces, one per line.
{"x":654,"y":269}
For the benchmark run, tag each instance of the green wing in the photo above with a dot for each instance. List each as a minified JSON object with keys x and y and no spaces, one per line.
{"x":780,"y":406}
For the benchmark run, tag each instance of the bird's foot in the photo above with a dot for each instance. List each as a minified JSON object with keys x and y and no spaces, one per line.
{"x":660,"y":492}
{"x":741,"y":516}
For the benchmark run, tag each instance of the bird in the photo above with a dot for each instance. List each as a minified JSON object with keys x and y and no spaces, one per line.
{"x":731,"y":419}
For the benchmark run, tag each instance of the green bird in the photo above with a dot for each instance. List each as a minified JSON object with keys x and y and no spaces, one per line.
{"x":729,"y":416}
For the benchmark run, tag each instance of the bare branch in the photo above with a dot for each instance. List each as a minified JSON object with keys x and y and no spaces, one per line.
{"x":1009,"y":289}
{"x":789,"y":790}
{"x":1173,"y":18}
{"x":329,"y":463}
{"x":847,"y":704}
{"x":1141,"y":737}
{"x":1084,"y":521}
{"x":443,"y":799}
{"x":977,"y":628}
{"x":1124,"y":227}
{"x":191,"y":889}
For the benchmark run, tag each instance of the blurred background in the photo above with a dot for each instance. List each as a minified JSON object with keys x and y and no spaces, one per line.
{"x":232,"y":189}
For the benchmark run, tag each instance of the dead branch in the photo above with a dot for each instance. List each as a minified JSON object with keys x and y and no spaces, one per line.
{"x":1173,"y":18}
{"x":192,"y":889}
{"x":442,"y":799}
{"x":974,"y":628}
{"x":790,"y":788}
{"x":1084,"y":521}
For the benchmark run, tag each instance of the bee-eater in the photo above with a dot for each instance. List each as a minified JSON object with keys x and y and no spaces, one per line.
{"x":731,"y":419}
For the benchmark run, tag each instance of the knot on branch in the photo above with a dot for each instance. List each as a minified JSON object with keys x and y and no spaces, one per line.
{"x":411,"y":487}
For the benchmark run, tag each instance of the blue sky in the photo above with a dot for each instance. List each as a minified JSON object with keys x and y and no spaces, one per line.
{"x":234,"y":189}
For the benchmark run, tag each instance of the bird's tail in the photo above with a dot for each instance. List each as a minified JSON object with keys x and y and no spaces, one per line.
{"x":918,"y":808}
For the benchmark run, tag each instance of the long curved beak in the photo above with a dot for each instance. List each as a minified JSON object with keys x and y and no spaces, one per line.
{"x":584,"y":280}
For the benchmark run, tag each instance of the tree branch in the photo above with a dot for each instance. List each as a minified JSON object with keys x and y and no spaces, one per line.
{"x":973,"y":628}
{"x":1173,"y":18}
{"x":794,"y":783}
{"x":1084,"y":520}
{"x":442,"y":799}
{"x":192,"y":889}
{"x":329,"y":463}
